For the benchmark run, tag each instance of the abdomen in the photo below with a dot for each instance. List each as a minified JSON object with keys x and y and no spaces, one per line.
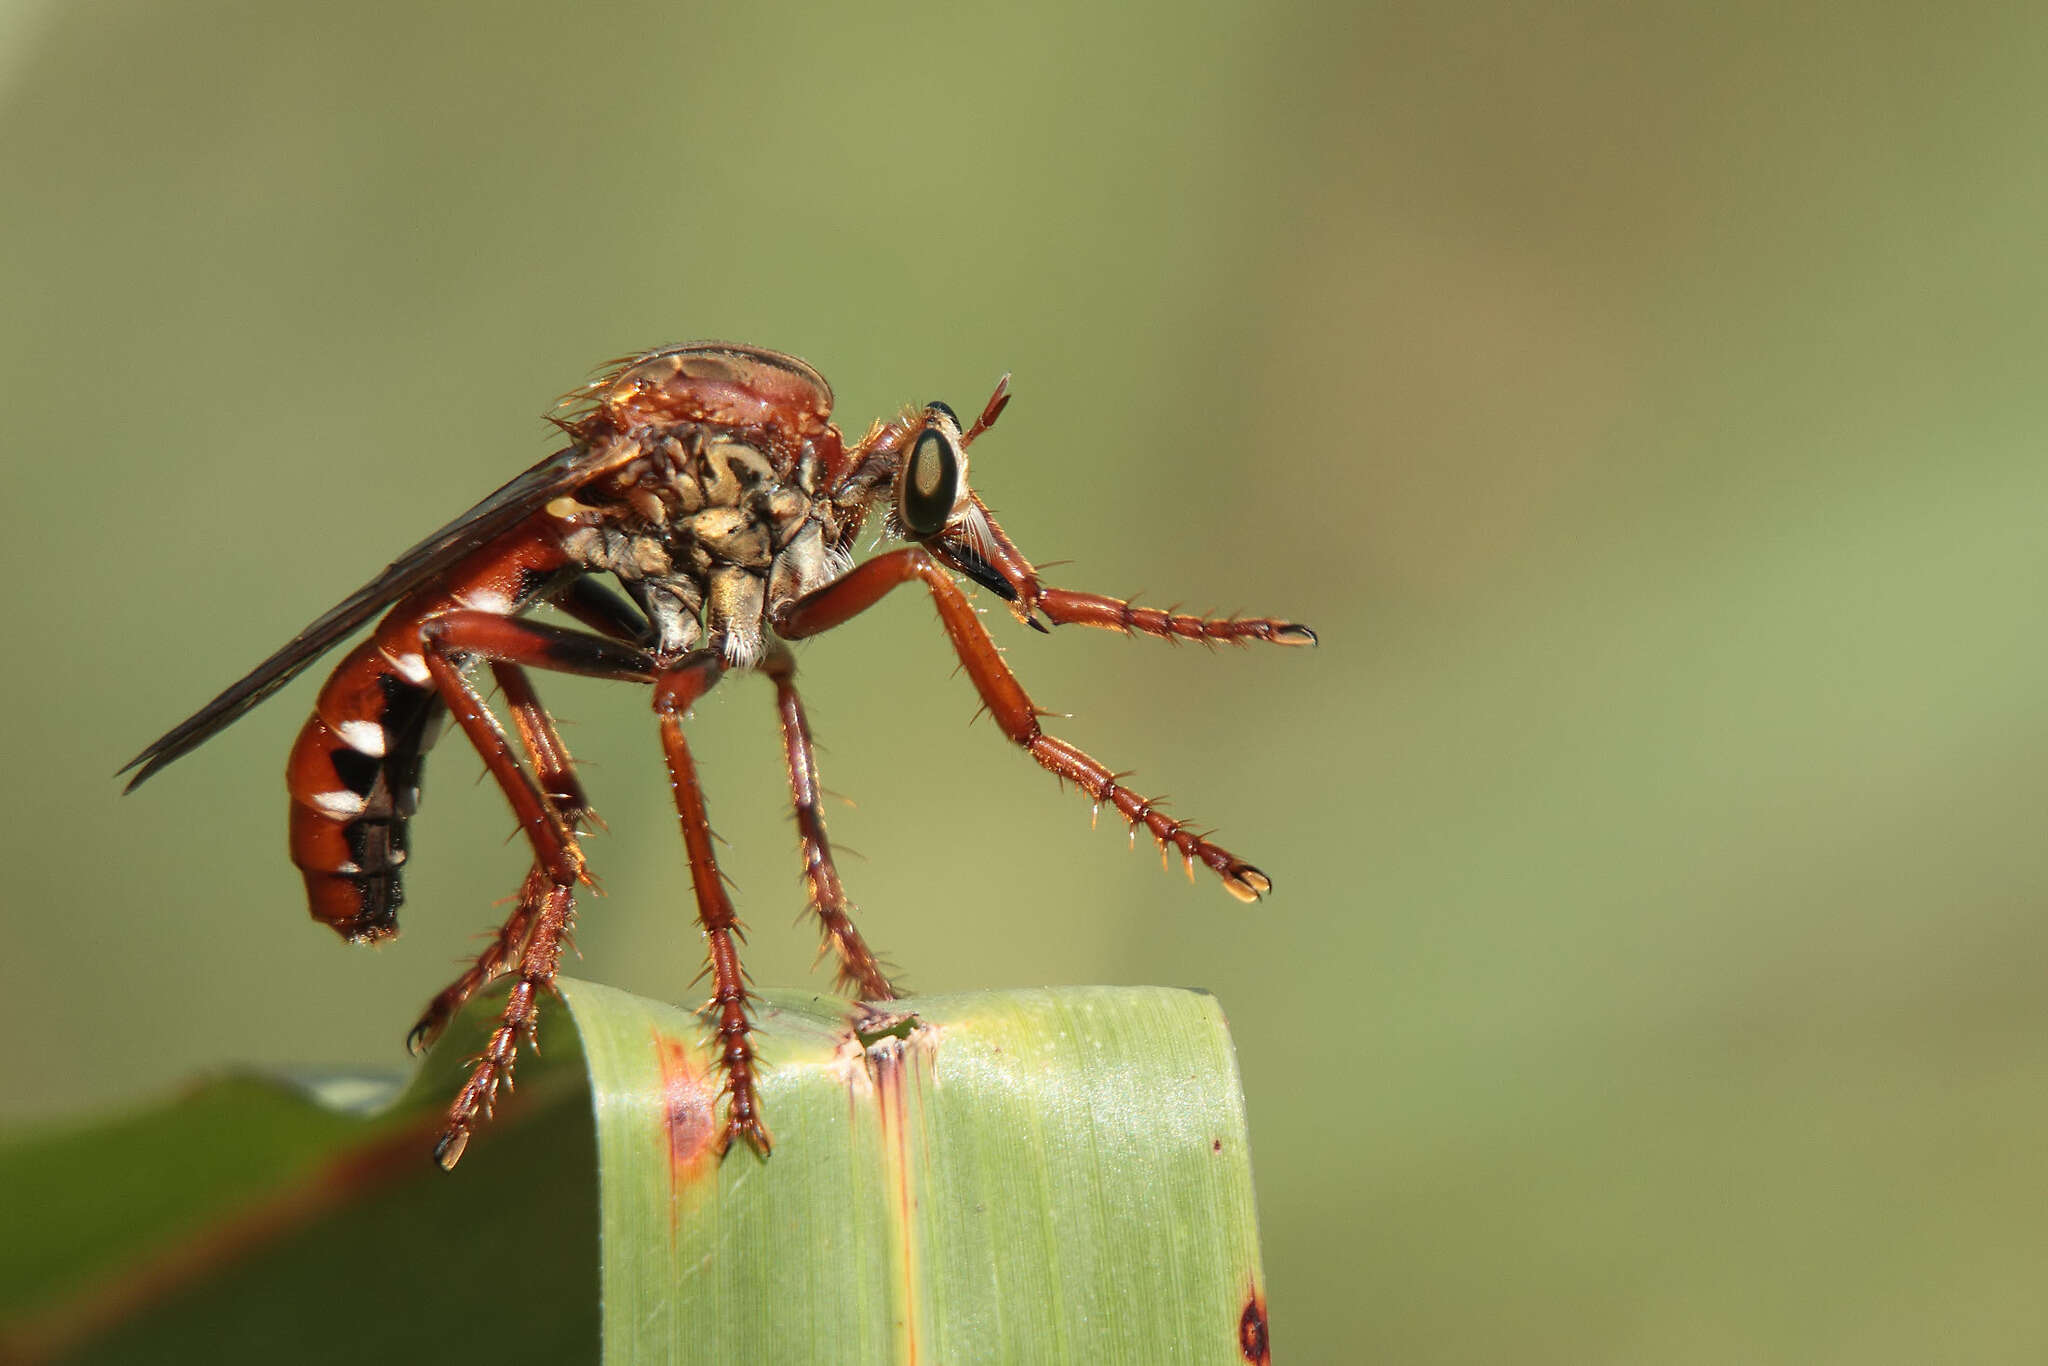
{"x":354,"y":778}
{"x":354,"y":774}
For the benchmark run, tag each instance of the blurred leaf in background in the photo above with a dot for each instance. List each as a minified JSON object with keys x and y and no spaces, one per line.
{"x":1642,"y":404}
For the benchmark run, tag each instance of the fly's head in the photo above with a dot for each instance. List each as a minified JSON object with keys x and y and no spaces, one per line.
{"x":917,"y":469}
{"x":929,"y":497}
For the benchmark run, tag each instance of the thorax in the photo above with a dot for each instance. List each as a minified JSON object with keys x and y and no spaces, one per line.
{"x":709,"y":533}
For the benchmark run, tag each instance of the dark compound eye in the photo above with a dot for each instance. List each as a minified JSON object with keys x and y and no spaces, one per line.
{"x":929,"y":485}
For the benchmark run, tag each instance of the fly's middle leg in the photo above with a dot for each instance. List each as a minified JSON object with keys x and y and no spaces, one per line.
{"x":860,"y":974}
{"x":731,"y":1005}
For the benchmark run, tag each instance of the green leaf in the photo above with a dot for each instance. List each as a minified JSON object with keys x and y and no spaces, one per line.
{"x":1027,"y":1176}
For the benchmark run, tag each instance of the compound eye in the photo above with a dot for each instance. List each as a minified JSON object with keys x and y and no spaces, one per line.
{"x":929,"y":484}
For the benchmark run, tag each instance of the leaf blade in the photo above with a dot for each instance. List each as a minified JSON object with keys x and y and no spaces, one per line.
{"x":1024,"y":1176}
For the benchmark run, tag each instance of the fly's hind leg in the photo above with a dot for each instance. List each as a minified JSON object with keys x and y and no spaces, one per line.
{"x":555,"y":771}
{"x":535,"y":931}
{"x":498,"y":958}
{"x":548,"y":913}
{"x":553,"y":766}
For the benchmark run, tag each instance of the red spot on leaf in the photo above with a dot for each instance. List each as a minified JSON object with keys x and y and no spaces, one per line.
{"x":689,"y":1113}
{"x":1251,"y":1330}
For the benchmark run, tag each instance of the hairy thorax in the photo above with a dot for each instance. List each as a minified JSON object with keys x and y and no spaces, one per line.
{"x":710,"y":536}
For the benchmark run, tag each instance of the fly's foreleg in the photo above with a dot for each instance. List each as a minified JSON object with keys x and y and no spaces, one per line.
{"x":864,"y":585}
{"x":998,"y":562}
{"x":675,"y":691}
{"x":1063,"y":607}
{"x":1004,"y":568}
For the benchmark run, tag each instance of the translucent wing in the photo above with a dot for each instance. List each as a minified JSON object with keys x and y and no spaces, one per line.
{"x":504,"y":509}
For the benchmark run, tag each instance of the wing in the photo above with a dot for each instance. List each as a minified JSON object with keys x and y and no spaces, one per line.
{"x":500,"y":512}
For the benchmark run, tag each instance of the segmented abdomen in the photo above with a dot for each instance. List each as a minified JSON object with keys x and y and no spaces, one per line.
{"x":354,"y":777}
{"x":354,"y":774}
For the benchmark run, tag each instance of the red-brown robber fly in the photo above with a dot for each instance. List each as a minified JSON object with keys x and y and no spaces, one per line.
{"x":709,"y":481}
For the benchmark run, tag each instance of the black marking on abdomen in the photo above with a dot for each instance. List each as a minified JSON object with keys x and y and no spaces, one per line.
{"x":376,"y":846}
{"x":381,"y":894}
{"x":378,"y":839}
{"x":358,"y":771}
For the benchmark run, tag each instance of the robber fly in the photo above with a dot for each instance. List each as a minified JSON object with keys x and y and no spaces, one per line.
{"x":710,"y":483}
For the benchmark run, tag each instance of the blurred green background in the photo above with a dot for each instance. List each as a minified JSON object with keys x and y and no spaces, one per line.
{"x":1643,"y":403}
